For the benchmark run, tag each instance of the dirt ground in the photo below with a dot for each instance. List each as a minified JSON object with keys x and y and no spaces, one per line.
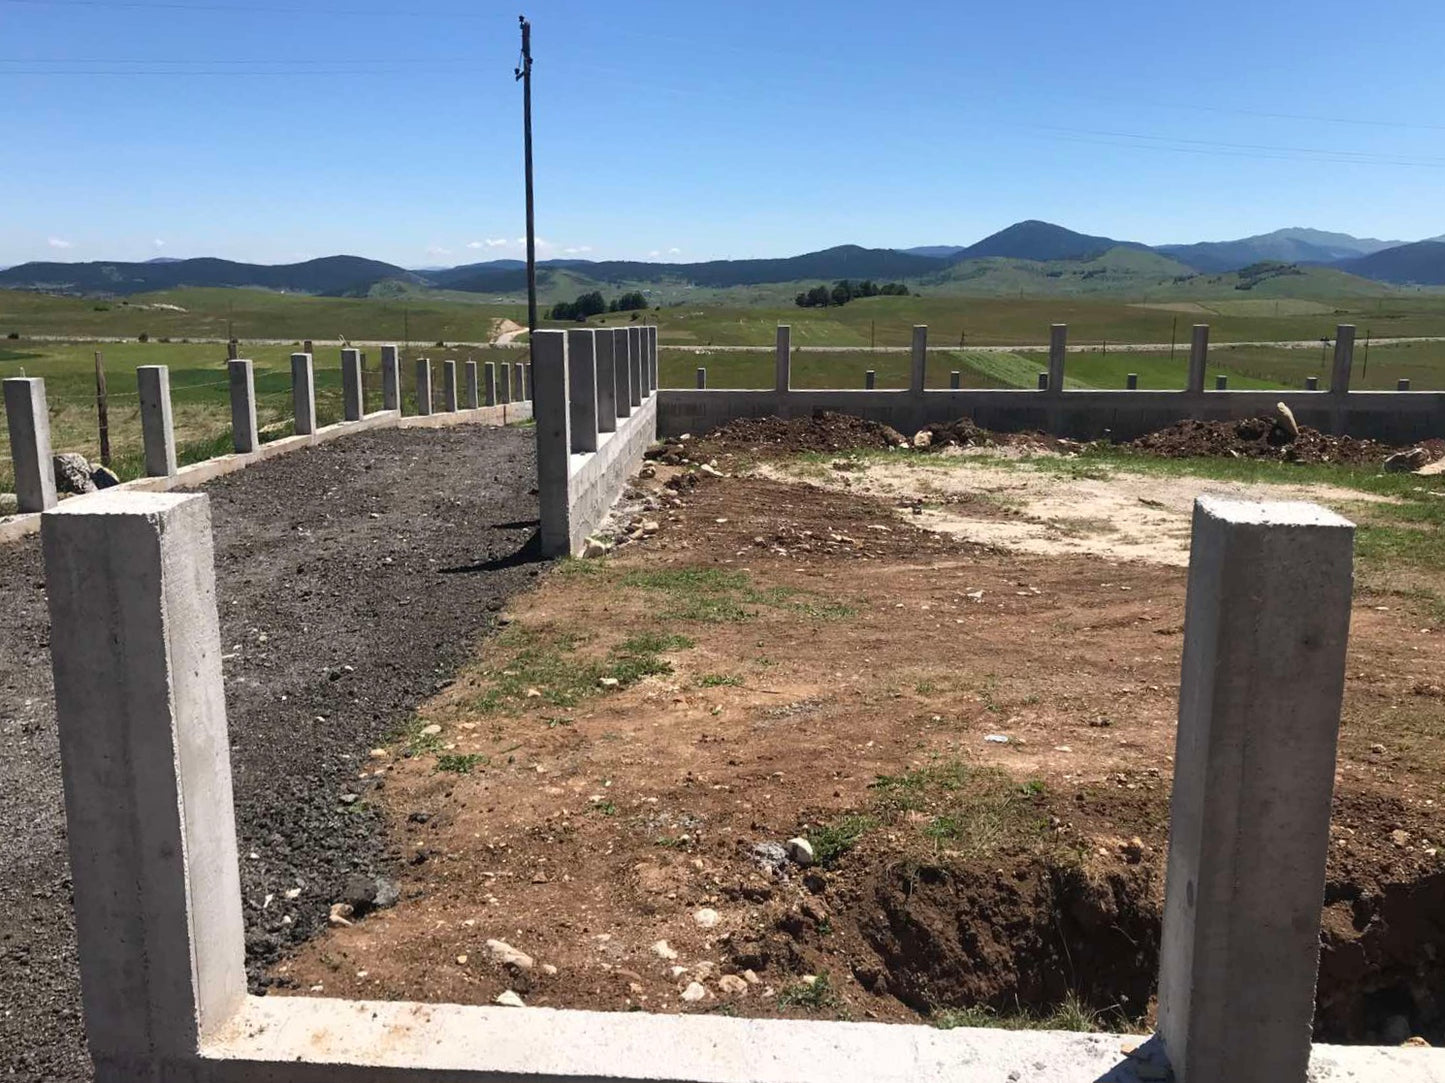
{"x":976,"y":741}
{"x":353,"y":579}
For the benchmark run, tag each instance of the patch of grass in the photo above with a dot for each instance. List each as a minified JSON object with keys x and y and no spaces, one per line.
{"x":814,"y":996}
{"x":416,"y":743}
{"x":714,"y":596}
{"x":461,"y":763}
{"x":719,"y":680}
{"x":605,"y":808}
{"x":832,"y":841}
{"x":1072,"y":1014}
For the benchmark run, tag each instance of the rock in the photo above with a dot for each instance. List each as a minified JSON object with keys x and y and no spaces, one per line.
{"x":510,"y":999}
{"x":663,"y":950}
{"x":922,"y":439}
{"x":800,"y":850}
{"x":507,"y":955}
{"x":751,"y":978}
{"x":549,"y":970}
{"x":707,"y":918}
{"x":431,"y":731}
{"x":1400,"y":838}
{"x":694,"y":992}
{"x":1133,"y":850}
{"x":103,"y":477}
{"x":366,"y":893}
{"x":339,"y":914}
{"x":72,"y":473}
{"x":1286,"y":419}
{"x":996,"y":739}
{"x":9,"y":504}
{"x":1403,"y":462}
{"x":647,"y":472}
{"x":733,"y":985}
{"x":595,"y":547}
{"x":608,"y":682}
{"x":650,"y":526}
{"x":710,"y":470}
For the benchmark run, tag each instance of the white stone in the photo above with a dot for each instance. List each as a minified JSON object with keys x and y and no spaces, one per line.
{"x":707,"y":917}
{"x":510,"y":999}
{"x":663,"y":950}
{"x":694,"y":992}
{"x":504,"y":953}
{"x":800,"y":850}
{"x":732,"y":985}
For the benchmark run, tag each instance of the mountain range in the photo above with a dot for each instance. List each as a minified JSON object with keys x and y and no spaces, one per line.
{"x":1019,"y":245}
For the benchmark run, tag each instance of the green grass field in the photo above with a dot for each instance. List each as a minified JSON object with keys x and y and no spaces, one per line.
{"x":199,"y":392}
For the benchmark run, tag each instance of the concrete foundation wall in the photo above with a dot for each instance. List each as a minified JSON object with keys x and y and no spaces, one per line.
{"x":1396,"y":417}
{"x":596,"y":480}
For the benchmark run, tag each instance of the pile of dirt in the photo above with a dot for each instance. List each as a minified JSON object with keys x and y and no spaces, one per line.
{"x":777,"y":436}
{"x":1263,"y":437}
{"x":964,"y":432}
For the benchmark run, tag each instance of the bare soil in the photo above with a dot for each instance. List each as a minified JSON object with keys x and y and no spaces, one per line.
{"x":818,"y":665}
{"x":353,"y":579}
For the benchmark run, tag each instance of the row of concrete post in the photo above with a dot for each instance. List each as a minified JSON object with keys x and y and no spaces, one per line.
{"x":153,"y":844}
{"x":27,"y":413}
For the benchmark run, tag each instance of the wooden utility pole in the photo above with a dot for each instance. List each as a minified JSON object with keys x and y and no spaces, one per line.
{"x":102,"y":408}
{"x":524,"y":73}
{"x":1173,"y":333}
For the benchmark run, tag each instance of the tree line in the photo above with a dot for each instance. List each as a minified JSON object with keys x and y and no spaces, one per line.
{"x":843,"y":292}
{"x":593,"y":304}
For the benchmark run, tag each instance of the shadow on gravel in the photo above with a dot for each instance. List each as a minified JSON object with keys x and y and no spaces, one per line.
{"x":530,"y":553}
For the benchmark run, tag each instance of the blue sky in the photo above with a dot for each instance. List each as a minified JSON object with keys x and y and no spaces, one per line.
{"x":284,"y":129}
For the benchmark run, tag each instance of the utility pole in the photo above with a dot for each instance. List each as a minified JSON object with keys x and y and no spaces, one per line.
{"x":524,"y":73}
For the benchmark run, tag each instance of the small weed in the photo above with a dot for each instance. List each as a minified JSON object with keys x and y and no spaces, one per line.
{"x":555,"y":721}
{"x":816,"y":995}
{"x":924,"y":688}
{"x":1071,"y":1015}
{"x":605,"y":808}
{"x":832,"y":841}
{"x":718,"y":680}
{"x":461,"y":763}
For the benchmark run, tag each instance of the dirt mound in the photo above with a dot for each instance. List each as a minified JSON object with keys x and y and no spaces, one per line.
{"x":1261,"y":437}
{"x":965,"y":433}
{"x":825,"y":431}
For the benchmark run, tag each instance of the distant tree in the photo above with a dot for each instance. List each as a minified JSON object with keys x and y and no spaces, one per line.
{"x":801,"y":300}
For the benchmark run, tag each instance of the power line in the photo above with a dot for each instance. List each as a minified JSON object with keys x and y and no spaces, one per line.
{"x":249,"y":9}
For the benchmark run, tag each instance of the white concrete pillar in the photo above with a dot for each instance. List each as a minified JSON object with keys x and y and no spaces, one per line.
{"x":474,"y":391}
{"x":353,"y":400}
{"x":955,"y":380}
{"x":1058,"y":355}
{"x":423,"y":386}
{"x":655,"y":374}
{"x":303,"y":393}
{"x":1198,"y":357}
{"x":158,"y":431}
{"x":636,"y":385}
{"x":449,"y":386}
{"x":28,"y":419}
{"x":919,"y":371}
{"x":504,"y":385}
{"x":141,"y":711}
{"x":1266,"y":624}
{"x":582,"y":388}
{"x":622,"y":367}
{"x":783,"y":360}
{"x":246,"y":436}
{"x":390,"y":379}
{"x":550,"y":408}
{"x":489,"y":383}
{"x":605,"y":347}
{"x":519,"y":383}
{"x":1344,"y":359}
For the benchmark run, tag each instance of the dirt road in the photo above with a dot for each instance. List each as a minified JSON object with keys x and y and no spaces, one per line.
{"x":353,"y":579}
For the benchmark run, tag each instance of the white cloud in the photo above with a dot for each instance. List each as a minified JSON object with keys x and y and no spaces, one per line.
{"x":158,"y":243}
{"x":496,"y":242}
{"x":654,"y":254}
{"x":56,"y":242}
{"x":437,"y":250}
{"x":579,"y":250}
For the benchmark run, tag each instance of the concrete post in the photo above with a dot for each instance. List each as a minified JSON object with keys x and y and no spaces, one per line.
{"x":870,"y":380}
{"x":582,"y":385}
{"x":1344,"y":359}
{"x":28,"y":418}
{"x":919,"y":374}
{"x":656,"y":379}
{"x":303,"y":393}
{"x":1198,"y":358}
{"x":1402,"y":385}
{"x":489,"y":383}
{"x":353,"y":404}
{"x":527,"y":381}
{"x":1221,"y":382}
{"x":622,"y":362}
{"x":390,"y":379}
{"x":1312,"y":383}
{"x":1043,"y":381}
{"x":955,"y":380}
{"x":784,"y":363}
{"x":474,"y":391}
{"x":701,"y":378}
{"x":246,"y":437}
{"x":136,"y":651}
{"x":306,"y":347}
{"x":519,"y":383}
{"x":1131,"y":381}
{"x":504,"y":385}
{"x":449,"y":386}
{"x":635,"y":386}
{"x":554,"y":440}
{"x":605,"y":345}
{"x":1266,"y":623}
{"x":1058,"y":353}
{"x":423,"y":386}
{"x":158,"y":431}
{"x":233,"y":350}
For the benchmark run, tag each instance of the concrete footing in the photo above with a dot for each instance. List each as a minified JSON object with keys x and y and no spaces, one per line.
{"x":27,"y":418}
{"x":1259,"y":713}
{"x":303,"y":393}
{"x":158,"y":431}
{"x":246,"y":436}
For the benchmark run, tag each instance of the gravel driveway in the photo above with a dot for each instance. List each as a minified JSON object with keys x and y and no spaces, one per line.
{"x":353,"y":578}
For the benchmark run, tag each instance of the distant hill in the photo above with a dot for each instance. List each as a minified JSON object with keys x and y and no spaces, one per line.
{"x":1420,"y":264}
{"x":1040,"y":241}
{"x":331,"y":275}
{"x":934,"y":251}
{"x":1283,"y":246}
